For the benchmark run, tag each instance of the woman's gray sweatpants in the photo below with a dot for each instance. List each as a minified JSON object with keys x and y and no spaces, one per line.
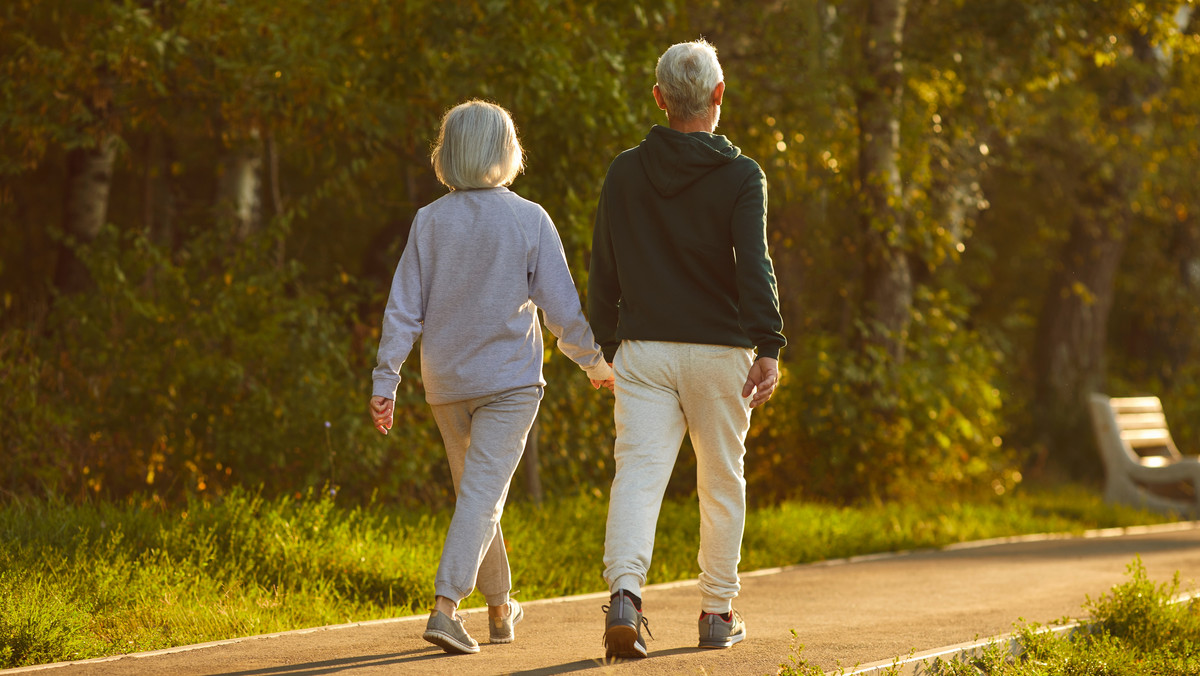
{"x":484,"y":438}
{"x":663,"y":391}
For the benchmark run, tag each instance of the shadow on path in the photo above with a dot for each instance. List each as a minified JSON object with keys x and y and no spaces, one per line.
{"x":335,"y":666}
{"x":584,"y":665}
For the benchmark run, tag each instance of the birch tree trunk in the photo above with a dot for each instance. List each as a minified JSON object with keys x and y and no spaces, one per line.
{"x":240,"y":187}
{"x":89,"y":178}
{"x":887,"y":280}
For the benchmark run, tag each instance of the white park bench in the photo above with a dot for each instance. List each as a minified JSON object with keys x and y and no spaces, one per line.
{"x":1142,"y":466}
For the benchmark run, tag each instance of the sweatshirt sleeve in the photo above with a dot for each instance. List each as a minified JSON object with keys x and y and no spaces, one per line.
{"x":758,"y":296}
{"x":553,"y":290}
{"x":402,"y":320}
{"x":604,"y":286}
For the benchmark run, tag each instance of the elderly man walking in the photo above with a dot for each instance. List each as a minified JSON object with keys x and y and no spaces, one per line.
{"x":683,"y":301}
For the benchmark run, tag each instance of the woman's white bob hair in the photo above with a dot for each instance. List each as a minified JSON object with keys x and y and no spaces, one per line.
{"x":477,"y":147}
{"x":687,"y":74}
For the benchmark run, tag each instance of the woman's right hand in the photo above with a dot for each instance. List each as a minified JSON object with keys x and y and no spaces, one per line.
{"x":610,"y":384}
{"x":382,"y":411}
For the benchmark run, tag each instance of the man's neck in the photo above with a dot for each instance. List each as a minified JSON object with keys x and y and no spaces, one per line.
{"x":689,"y":126}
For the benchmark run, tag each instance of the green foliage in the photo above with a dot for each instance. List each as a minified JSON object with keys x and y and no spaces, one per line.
{"x":1140,"y":614}
{"x":796,"y":665}
{"x":1016,"y":120}
{"x":1136,"y":628}
{"x":79,"y":582}
{"x":37,"y":625}
{"x":853,"y":426}
{"x":194,"y":373}
{"x":575,"y":428}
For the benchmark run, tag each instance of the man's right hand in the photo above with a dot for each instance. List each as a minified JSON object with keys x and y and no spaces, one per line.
{"x":761,"y":381}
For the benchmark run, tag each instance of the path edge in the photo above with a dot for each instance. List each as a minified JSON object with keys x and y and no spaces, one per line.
{"x":866,"y":670}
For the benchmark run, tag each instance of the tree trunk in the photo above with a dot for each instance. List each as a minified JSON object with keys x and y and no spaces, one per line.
{"x":89,"y":178}
{"x":240,"y":187}
{"x":887,"y":280}
{"x":1073,"y":326}
{"x":159,"y":199}
{"x":1072,"y":333}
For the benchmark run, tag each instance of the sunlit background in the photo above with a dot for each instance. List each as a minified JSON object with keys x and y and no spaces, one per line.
{"x":980,"y":212}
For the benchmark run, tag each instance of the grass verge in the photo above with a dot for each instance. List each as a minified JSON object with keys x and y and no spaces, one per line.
{"x":1139,"y":628}
{"x":81,"y":581}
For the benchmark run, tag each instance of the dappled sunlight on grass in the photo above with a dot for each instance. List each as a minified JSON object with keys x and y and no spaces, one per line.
{"x":104,"y":579}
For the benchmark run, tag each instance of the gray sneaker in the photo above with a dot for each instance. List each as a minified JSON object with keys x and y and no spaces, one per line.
{"x":623,"y":628}
{"x":449,"y":633}
{"x":500,"y":629}
{"x":717,"y":632}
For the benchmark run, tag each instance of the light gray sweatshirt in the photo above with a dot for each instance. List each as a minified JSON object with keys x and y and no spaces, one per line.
{"x":478,"y":265}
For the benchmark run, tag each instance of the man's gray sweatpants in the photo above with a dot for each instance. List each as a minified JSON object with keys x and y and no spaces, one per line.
{"x":484,"y":438}
{"x":664,"y":390}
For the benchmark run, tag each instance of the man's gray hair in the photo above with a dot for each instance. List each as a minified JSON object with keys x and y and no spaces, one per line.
{"x":477,"y":147}
{"x":687,"y":74}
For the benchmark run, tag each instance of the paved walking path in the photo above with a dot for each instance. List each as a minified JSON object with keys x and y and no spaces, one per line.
{"x":849,"y":612}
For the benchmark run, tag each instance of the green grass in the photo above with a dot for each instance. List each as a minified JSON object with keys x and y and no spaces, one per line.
{"x":1135,"y":629}
{"x":1138,"y":628}
{"x":103,"y":579}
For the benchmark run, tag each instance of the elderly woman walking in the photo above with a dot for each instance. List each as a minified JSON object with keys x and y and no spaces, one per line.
{"x":479,"y":263}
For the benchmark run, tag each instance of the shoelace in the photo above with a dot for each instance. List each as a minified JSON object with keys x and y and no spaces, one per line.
{"x":641,"y":619}
{"x":646,"y":624}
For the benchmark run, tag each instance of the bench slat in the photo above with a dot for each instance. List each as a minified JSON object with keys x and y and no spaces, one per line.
{"x":1140,"y":438}
{"x":1136,"y":405}
{"x":1141,"y":421}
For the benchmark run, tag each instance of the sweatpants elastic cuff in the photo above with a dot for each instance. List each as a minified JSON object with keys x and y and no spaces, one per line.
{"x":497,"y":600}
{"x":716,"y":606}
{"x":450,"y":593}
{"x":630,"y":583}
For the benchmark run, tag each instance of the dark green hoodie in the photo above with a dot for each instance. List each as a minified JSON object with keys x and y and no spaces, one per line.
{"x":679,"y":252}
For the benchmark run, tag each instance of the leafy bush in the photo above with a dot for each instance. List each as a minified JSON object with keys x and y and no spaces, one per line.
{"x":31,"y":421}
{"x":195,"y":372}
{"x":1135,"y":629}
{"x":575,"y":436}
{"x":1142,"y":616}
{"x":845,"y":427}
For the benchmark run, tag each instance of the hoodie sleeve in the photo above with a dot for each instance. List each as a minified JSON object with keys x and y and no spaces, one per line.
{"x":402,"y":320}
{"x":758,"y":296}
{"x":604,"y":287}
{"x":553,"y":290}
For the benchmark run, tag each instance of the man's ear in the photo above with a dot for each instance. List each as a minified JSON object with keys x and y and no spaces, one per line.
{"x":658,"y":98}
{"x":718,"y":93}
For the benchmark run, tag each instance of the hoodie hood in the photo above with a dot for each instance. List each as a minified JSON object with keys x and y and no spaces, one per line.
{"x":674,"y":160}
